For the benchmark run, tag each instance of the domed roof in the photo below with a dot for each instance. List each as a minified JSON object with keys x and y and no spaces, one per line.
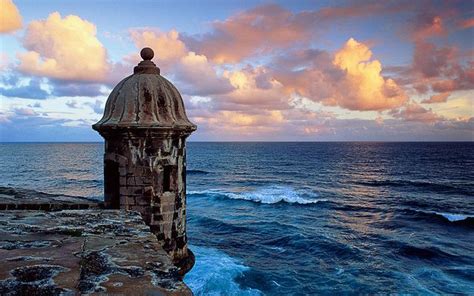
{"x":145,"y":100}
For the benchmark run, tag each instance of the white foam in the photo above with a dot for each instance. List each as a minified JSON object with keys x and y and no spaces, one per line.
{"x":214,"y":274}
{"x":454,"y":217}
{"x":269,"y":195}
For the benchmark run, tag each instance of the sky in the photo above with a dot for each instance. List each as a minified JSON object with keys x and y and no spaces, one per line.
{"x":247,"y":70}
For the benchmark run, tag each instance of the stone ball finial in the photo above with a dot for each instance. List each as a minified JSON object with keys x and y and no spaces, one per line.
{"x":146,"y":66}
{"x":147,"y":54}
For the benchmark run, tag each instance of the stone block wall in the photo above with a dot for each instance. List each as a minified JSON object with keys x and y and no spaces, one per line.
{"x":145,"y":171}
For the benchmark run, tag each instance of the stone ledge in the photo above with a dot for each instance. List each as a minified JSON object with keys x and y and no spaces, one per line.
{"x":24,"y":199}
{"x":91,"y":251}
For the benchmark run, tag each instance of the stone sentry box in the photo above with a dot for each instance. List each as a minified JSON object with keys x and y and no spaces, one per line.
{"x":145,"y":129}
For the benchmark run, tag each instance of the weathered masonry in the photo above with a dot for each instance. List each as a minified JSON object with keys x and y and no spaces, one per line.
{"x":145,"y":129}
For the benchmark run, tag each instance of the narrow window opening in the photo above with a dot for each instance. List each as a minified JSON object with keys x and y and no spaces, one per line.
{"x":112,"y":184}
{"x":166,"y":178}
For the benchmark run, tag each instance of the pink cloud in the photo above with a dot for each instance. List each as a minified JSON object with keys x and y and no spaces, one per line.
{"x":468,"y":23}
{"x":427,"y":25}
{"x":415,"y":112}
{"x":254,"y":31}
{"x":431,"y":61}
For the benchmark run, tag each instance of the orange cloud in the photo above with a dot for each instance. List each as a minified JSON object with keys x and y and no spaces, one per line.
{"x":439,"y":98}
{"x":167,"y":46}
{"x":10,"y":18}
{"x":64,"y":48}
{"x":465,"y":24}
{"x":252,"y":88}
{"x":364,"y":87}
{"x":241,"y":123}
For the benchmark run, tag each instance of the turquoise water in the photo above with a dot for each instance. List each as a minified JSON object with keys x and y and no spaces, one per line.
{"x":302,"y":218}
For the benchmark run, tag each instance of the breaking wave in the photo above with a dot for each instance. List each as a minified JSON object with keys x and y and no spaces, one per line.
{"x":215,"y":273}
{"x":454,"y":217}
{"x":267,"y":195}
{"x":460,"y":219}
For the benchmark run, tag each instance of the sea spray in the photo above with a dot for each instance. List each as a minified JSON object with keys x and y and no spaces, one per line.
{"x":215,"y":274}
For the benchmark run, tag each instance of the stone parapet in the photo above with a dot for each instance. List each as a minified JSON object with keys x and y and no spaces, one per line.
{"x":73,"y":252}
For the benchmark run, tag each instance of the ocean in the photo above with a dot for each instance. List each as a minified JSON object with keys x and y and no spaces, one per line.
{"x":301,"y":218}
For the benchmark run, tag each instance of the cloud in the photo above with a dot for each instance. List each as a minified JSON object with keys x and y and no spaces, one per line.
{"x":10,"y":18}
{"x":415,"y":112}
{"x":64,"y":49}
{"x":440,"y":68}
{"x":31,"y":88}
{"x":199,"y":76}
{"x":349,"y":78}
{"x":362,"y":9}
{"x":72,"y":104}
{"x":75,"y":89}
{"x":194,"y":73}
{"x":27,"y":125}
{"x":439,"y":98}
{"x":261,"y":29}
{"x":427,"y":24}
{"x":15,"y":89}
{"x":97,"y":106}
{"x":435,"y":67}
{"x":167,"y":46}
{"x":241,"y":123}
{"x":366,"y":88}
{"x":25,"y":112}
{"x":35,"y":105}
{"x":466,"y":24}
{"x":254,"y":88}
{"x":431,"y":61}
{"x":268,"y":28}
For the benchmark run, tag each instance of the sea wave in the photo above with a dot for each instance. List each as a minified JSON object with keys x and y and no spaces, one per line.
{"x":422,"y":185}
{"x":454,"y":218}
{"x":267,"y":195}
{"x":197,"y":172}
{"x":215,"y":273}
{"x":424,"y":252}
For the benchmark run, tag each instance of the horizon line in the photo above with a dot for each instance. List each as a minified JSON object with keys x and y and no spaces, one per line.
{"x":251,"y":141}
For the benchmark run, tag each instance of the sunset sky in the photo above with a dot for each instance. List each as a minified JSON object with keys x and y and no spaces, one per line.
{"x":247,"y":70}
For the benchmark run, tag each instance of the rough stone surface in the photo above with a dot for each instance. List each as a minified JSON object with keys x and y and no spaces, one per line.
{"x":145,"y":101}
{"x":71,"y":252}
{"x":151,"y":181}
{"x":23,"y":199}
